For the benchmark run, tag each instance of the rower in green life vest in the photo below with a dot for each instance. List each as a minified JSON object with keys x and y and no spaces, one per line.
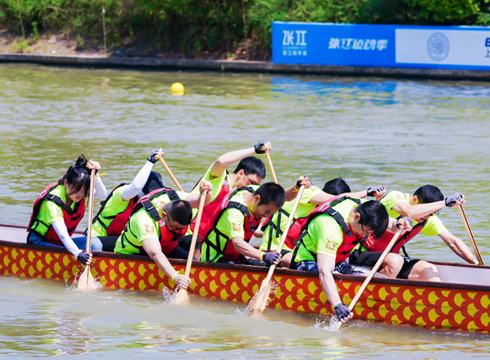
{"x":116,"y":208}
{"x":421,"y":207}
{"x":233,"y":223}
{"x":331,"y":232}
{"x":60,"y":208}
{"x":250,"y":171}
{"x":157,"y":222}
{"x":313,"y":196}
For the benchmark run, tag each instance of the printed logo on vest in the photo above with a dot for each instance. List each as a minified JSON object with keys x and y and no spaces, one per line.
{"x":149,"y":229}
{"x":438,"y":46}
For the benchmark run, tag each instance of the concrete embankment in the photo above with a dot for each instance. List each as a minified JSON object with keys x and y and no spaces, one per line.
{"x":242,"y":66}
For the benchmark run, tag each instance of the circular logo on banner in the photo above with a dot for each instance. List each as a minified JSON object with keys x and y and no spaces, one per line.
{"x":438,"y":46}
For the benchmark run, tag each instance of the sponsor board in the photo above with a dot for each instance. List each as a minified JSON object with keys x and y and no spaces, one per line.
{"x":446,"y":47}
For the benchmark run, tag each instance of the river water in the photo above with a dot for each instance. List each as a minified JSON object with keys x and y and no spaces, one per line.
{"x":398,"y":133}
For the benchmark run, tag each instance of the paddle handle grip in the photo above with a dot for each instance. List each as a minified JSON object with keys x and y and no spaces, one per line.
{"x":190,"y":257}
{"x":90,"y":211}
{"x":174,"y":179}
{"x":271,"y":166}
{"x":470,"y":235}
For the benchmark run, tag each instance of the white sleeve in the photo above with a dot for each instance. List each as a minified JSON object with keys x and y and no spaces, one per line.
{"x":100,"y":192}
{"x":62,"y":231}
{"x":138,"y":183}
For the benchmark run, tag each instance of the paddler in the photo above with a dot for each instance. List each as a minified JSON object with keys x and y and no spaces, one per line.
{"x":312,"y":197}
{"x":61,"y":206}
{"x":114,"y":213}
{"x":332,"y":230}
{"x":422,"y":207}
{"x":234,"y":221}
{"x":157,"y":222}
{"x":249,"y":171}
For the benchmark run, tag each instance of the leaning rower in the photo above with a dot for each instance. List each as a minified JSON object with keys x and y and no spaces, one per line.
{"x":230,"y":228}
{"x":249,"y":171}
{"x":311,"y":198}
{"x":422,"y":208}
{"x":60,"y":208}
{"x":114,"y":213}
{"x":156,"y":224}
{"x":331,"y":232}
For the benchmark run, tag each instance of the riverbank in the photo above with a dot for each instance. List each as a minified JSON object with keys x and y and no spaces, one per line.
{"x":96,"y":60}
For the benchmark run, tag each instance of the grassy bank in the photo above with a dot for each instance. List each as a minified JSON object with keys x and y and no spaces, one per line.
{"x":215,"y":29}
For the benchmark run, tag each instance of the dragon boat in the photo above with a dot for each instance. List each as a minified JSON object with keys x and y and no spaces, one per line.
{"x":460,"y":302}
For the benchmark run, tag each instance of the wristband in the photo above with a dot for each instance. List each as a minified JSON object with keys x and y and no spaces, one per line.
{"x":261,"y":257}
{"x":176,"y":273}
{"x":100,"y":175}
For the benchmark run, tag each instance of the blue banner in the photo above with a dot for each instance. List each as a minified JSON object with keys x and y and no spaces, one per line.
{"x":445,"y":47}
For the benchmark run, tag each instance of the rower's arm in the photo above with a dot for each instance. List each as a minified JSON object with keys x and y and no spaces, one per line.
{"x":245,"y":248}
{"x":225,"y":160}
{"x":320,"y":198}
{"x":154,"y":250}
{"x":100,"y":192}
{"x":292,"y":191}
{"x":326,"y":265}
{"x":358,"y":194}
{"x":418,"y":211}
{"x":458,"y":246}
{"x":62,"y":231}
{"x":138,"y":182}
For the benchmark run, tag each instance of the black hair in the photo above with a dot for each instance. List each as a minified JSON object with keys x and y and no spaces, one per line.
{"x":78,"y":176}
{"x":251,"y":165}
{"x":374,"y":215}
{"x":336,"y":186}
{"x":179,"y":211}
{"x":154,"y":182}
{"x":428,"y":194}
{"x":271,"y":193}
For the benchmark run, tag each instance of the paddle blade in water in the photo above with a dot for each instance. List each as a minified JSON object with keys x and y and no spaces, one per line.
{"x":181,"y":298}
{"x":86,"y":280}
{"x":260,"y":300}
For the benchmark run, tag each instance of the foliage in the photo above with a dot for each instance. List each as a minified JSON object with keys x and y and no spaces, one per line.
{"x":191,"y":27}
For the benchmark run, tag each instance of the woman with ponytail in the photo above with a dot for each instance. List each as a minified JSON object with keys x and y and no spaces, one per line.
{"x":61,"y":207}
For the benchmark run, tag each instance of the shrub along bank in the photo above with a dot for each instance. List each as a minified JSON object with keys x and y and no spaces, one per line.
{"x":213,"y":28}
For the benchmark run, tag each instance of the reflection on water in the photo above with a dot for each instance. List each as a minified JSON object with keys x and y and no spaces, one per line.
{"x":397,"y":133}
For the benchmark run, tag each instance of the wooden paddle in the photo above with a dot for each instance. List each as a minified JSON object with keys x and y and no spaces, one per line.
{"x":169,"y":172}
{"x":86,"y":279}
{"x":372,"y":273}
{"x":259,"y":301}
{"x":273,"y":171}
{"x":182,"y":296}
{"x":470,"y":235}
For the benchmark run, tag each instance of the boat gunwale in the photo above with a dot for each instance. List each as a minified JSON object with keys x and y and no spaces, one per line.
{"x":264,"y":270}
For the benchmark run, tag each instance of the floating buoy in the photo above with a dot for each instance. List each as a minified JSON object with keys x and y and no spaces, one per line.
{"x":177,"y":89}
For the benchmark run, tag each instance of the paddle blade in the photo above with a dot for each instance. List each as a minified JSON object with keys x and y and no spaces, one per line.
{"x":181,"y":298}
{"x":260,"y":300}
{"x":86,"y":280}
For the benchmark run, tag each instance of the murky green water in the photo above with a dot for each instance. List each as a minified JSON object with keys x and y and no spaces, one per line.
{"x":401,"y":134}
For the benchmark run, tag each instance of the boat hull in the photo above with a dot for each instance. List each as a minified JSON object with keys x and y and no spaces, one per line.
{"x":401,"y":302}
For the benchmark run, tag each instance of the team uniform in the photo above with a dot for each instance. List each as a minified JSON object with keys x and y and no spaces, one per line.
{"x":229,"y":219}
{"x":369,"y":252}
{"x":326,"y":232}
{"x":145,"y":223}
{"x":274,"y":225}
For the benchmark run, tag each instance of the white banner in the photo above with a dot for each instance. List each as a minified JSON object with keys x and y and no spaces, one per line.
{"x":445,"y":47}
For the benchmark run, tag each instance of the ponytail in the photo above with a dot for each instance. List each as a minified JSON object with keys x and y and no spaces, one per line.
{"x":77,"y":176}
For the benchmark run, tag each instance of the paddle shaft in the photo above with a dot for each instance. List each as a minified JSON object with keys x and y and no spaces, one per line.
{"x":90,"y":211}
{"x":284,"y":234}
{"x":174,"y":179}
{"x":374,"y":270}
{"x":271,"y":166}
{"x":470,"y":235}
{"x":194,"y":235}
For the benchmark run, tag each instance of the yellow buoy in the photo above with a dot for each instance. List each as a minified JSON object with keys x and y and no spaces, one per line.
{"x":177,"y":89}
